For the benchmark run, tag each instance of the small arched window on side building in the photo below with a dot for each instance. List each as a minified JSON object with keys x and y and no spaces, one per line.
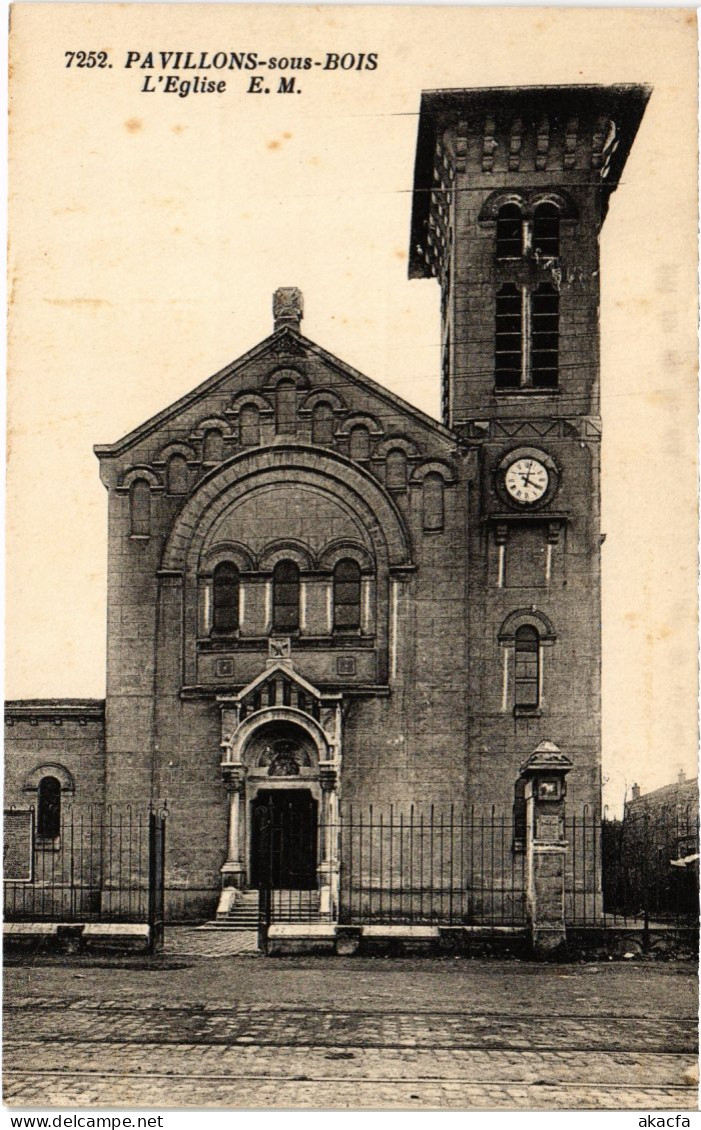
{"x":225,"y":598}
{"x":285,"y":597}
{"x":346,"y":595}
{"x":49,"y":808}
{"x":140,"y":508}
{"x":509,"y":232}
{"x":526,"y":668}
{"x":546,"y":230}
{"x":433,"y":506}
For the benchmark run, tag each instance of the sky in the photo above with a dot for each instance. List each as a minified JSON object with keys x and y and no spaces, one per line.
{"x":148,"y":232}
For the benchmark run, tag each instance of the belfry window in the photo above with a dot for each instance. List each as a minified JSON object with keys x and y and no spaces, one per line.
{"x":49,"y":808}
{"x":526,"y":337}
{"x":546,"y":230}
{"x":285,"y":597}
{"x":545,"y":336}
{"x":509,"y":232}
{"x":527,"y":667}
{"x":346,"y":595}
{"x":225,"y":585}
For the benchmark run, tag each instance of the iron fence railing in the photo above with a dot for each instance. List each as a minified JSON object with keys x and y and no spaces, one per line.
{"x":98,"y":865}
{"x":456,"y":867}
{"x":641,"y":870}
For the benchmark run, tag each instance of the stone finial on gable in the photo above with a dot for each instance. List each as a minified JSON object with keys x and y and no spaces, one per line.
{"x":288,"y":307}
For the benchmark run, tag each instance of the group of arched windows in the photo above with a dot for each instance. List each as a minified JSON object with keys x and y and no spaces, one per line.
{"x":286,"y":593}
{"x":519,"y":234}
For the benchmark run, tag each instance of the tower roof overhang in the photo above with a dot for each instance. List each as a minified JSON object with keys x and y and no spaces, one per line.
{"x":623,"y":104}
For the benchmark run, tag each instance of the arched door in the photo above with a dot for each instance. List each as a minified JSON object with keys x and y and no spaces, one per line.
{"x":284,"y":833}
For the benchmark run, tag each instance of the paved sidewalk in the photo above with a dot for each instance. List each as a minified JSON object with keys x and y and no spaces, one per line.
{"x":201,"y":942}
{"x":348,"y":1033}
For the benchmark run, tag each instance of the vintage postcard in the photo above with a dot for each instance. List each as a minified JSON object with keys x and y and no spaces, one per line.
{"x":351,"y":558}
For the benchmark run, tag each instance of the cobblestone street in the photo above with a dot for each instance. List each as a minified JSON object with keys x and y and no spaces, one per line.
{"x":202,"y":1026}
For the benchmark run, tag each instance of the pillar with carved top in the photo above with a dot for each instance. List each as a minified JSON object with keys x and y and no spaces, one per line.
{"x":329,"y":862}
{"x":546,"y":846}
{"x":235,"y":781}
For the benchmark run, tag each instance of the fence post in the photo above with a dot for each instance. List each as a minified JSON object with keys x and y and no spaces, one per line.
{"x":156,"y":878}
{"x":546,"y":847}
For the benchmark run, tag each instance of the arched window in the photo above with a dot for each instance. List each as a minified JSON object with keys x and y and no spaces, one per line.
{"x":545,"y":336}
{"x":359,"y":446}
{"x":286,"y":408}
{"x":249,"y":426}
{"x":285,"y":597}
{"x":323,"y":425}
{"x":178,"y":476}
{"x":396,"y":469}
{"x":508,"y":337}
{"x":225,"y":603}
{"x":546,"y":230}
{"x":433,"y":516}
{"x":346,"y":594}
{"x":527,"y":667}
{"x":213,"y":446}
{"x":509,"y":232}
{"x":140,"y":505}
{"x":49,"y":808}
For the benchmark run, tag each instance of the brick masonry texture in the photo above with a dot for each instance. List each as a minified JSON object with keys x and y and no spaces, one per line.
{"x":290,"y":453}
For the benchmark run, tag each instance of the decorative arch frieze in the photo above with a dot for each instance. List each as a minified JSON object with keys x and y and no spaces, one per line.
{"x":351,"y":485}
{"x":344,"y":547}
{"x":322,"y":396}
{"x":433,"y":467}
{"x":243,"y":399}
{"x":526,"y":617}
{"x":286,"y":373}
{"x":356,"y":419}
{"x":241,"y":556}
{"x":211,"y":423}
{"x":49,"y":769}
{"x":527,"y":202}
{"x":396,"y":443}
{"x":176,"y":447}
{"x":132,"y":474}
{"x":285,"y":549}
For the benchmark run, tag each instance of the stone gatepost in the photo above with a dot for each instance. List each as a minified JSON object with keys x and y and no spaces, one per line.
{"x":546,"y":847}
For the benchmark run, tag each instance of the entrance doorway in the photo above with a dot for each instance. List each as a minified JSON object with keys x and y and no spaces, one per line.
{"x":284,"y":825}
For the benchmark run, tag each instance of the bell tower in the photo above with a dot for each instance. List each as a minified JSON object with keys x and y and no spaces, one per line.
{"x":511,"y":188}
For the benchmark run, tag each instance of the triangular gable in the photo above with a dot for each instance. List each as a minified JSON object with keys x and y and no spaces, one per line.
{"x":271,"y":679}
{"x":285,"y":342}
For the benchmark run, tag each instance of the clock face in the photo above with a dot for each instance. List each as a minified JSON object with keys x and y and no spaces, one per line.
{"x":526,"y":480}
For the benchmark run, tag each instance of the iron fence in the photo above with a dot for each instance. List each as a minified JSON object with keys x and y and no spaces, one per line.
{"x":455,"y":867}
{"x":98,"y":865}
{"x":639,"y":871}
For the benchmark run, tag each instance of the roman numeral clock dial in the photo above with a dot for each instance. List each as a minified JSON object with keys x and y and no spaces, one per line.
{"x":526,"y":480}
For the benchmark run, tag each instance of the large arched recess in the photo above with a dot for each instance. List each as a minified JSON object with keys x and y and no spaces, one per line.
{"x":326,"y":471}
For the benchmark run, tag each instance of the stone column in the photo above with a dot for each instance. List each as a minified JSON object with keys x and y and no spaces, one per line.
{"x":546,"y":846}
{"x":329,"y":862}
{"x":235,"y":782}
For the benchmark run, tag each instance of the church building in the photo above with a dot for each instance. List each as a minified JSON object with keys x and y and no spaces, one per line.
{"x":321,"y":599}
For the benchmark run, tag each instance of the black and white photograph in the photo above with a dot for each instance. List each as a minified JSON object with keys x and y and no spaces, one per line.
{"x":351,"y":559}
